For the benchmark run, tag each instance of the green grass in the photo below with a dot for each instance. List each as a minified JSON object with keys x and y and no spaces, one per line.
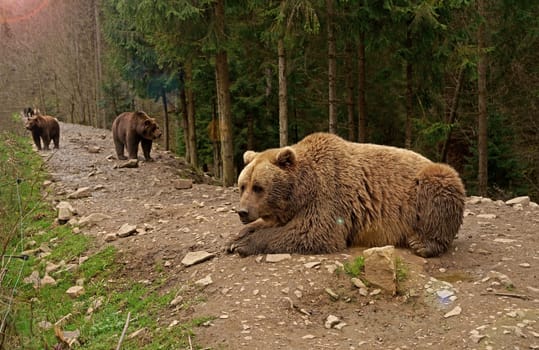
{"x":25,"y":216}
{"x":355,"y":267}
{"x":401,"y":269}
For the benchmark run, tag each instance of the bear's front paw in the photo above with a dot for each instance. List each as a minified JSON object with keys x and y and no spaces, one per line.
{"x":243,"y":244}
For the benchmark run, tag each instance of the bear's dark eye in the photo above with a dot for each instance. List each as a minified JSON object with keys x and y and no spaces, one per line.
{"x":242,"y":188}
{"x":257,"y":189}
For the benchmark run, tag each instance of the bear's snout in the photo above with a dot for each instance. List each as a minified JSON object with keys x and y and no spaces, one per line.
{"x":244,"y":215}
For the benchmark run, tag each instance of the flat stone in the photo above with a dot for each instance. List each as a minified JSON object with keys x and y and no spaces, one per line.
{"x":331,"y":321}
{"x":110,"y":237}
{"x":82,"y":192}
{"x":183,"y":184}
{"x":474,"y":200}
{"x":486,"y":216}
{"x":196,"y":257}
{"x":203,"y":282}
{"x":93,"y":219}
{"x":48,"y":280}
{"x":126,"y":230}
{"x":358,"y":283}
{"x":312,"y":264}
{"x":455,"y":312}
{"x":523,"y":200}
{"x":274,"y":258}
{"x":75,"y":291}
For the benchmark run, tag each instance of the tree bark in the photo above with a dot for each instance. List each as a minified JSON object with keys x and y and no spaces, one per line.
{"x":185,"y":117}
{"x":332,"y":69}
{"x":482,"y":142}
{"x":250,"y":131}
{"x":167,"y":129}
{"x":409,"y":95}
{"x":349,"y":82}
{"x":452,"y":115}
{"x":191,"y":120}
{"x":223,"y":98}
{"x":98,"y":68}
{"x":283,"y":94}
{"x":361,"y":104}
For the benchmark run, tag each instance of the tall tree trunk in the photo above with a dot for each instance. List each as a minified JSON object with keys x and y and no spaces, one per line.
{"x":332,"y":69}
{"x":98,"y":69}
{"x":409,"y":95}
{"x":361,"y":104}
{"x":191,"y":120}
{"x":250,"y":131}
{"x":283,"y":94}
{"x":482,"y":142}
{"x":452,"y":115}
{"x":214,"y":137}
{"x":167,"y":128}
{"x":350,"y":92}
{"x":185,"y":117}
{"x":223,"y":98}
{"x":269,"y":88}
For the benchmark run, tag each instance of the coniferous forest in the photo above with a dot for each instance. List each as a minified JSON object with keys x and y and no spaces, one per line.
{"x":455,"y":80}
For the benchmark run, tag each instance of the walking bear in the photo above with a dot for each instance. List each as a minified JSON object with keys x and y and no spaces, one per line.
{"x":131,"y":128}
{"x":325,"y":194}
{"x":44,"y":127}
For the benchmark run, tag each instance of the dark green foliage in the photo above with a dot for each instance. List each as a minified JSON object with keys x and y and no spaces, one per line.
{"x":152,"y":40}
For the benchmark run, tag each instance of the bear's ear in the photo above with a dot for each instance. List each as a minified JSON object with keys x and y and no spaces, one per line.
{"x":286,"y":157}
{"x":248,"y":157}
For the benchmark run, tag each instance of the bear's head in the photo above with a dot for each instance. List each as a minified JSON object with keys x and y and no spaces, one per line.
{"x":266,"y":185}
{"x":147,"y":127}
{"x":32,"y":122}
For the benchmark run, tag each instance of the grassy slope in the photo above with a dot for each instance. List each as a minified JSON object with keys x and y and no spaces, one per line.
{"x":26,"y":223}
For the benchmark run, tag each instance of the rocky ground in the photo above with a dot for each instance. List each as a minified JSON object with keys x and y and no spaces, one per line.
{"x":483,"y":294}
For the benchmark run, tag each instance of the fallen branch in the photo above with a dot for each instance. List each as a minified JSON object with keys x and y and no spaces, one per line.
{"x":511,"y":295}
{"x":124,"y":331}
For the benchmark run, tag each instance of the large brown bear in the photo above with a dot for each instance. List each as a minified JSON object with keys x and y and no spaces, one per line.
{"x":44,"y":127}
{"x":131,"y":128}
{"x":325,"y":194}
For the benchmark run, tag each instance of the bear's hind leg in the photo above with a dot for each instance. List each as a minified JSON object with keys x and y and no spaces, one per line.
{"x":46,"y":142}
{"x":56,"y":142}
{"x":119,"y":146}
{"x":439,"y":210}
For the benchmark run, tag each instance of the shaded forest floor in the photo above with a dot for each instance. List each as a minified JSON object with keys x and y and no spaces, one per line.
{"x":254,"y":304}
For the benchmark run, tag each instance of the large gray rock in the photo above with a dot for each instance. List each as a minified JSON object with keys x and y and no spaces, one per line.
{"x":82,"y":192}
{"x":380,"y":268}
{"x":524,"y":201}
{"x":65,"y":212}
{"x":196,"y":257}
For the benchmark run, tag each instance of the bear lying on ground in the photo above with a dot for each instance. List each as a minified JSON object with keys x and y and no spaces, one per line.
{"x":131,"y":128}
{"x":46,"y":128}
{"x":325,"y":194}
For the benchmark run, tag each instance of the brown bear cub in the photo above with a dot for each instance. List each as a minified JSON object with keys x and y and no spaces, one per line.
{"x":44,"y":127}
{"x":131,"y":128}
{"x":325,"y":194}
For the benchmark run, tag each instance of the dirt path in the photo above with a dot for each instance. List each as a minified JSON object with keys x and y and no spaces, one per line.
{"x":284,"y":305}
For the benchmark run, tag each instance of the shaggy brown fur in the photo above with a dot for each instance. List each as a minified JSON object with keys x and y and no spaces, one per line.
{"x":325,"y":194}
{"x":46,"y":128}
{"x":131,"y":128}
